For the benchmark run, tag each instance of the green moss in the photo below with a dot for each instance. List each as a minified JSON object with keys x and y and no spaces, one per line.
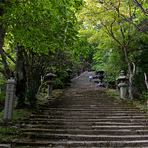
{"x":55,"y":94}
{"x":137,"y":104}
{"x":113,"y":93}
{"x":8,"y":133}
{"x":18,"y":114}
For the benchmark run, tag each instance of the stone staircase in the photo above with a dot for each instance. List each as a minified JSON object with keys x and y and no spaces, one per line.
{"x":84,"y":116}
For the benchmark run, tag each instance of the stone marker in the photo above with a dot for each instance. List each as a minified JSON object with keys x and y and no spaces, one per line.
{"x":9,"y":100}
{"x":123,"y":85}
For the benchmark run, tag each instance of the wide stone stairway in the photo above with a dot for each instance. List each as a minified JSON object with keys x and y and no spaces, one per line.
{"x":84,"y":116}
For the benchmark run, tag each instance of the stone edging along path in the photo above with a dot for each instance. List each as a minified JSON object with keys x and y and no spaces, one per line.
{"x":84,"y":116}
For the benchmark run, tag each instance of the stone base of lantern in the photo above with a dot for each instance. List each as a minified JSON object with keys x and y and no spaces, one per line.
{"x":123,"y":91}
{"x":50,"y":88}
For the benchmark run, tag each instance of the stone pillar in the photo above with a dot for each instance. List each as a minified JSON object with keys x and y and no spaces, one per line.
{"x":123,"y":85}
{"x":49,"y":80}
{"x":9,"y":100}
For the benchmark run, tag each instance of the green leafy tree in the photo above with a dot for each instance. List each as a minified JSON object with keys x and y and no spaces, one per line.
{"x":114,"y":31}
{"x":33,"y":30}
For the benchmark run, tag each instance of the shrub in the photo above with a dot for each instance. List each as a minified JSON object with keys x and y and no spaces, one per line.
{"x":31,"y":98}
{"x":58,"y":84}
{"x":2,"y":96}
{"x":144,"y":97}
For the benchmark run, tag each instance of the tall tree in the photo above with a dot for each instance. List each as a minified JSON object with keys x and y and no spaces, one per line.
{"x":107,"y":16}
{"x":34,"y":29}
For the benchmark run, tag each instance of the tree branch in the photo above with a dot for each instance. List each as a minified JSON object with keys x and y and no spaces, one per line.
{"x":9,"y":56}
{"x":123,"y":36}
{"x":112,"y":34}
{"x":126,"y":19}
{"x":140,"y":6}
{"x":3,"y":72}
{"x":134,"y":68}
{"x":131,"y":22}
{"x":146,"y":83}
{"x":4,"y":61}
{"x":129,"y":39}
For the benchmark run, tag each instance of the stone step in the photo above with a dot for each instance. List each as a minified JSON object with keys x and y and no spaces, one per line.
{"x":47,"y":136}
{"x":54,"y":122}
{"x":90,"y":109}
{"x":86,"y":116}
{"x":70,"y":143}
{"x":69,"y":108}
{"x":90,"y":120}
{"x":119,"y":127}
{"x":87,"y":113}
{"x":86,"y":126}
{"x":83,"y":131}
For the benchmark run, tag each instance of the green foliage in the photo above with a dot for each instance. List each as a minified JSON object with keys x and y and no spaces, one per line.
{"x":31,"y":97}
{"x":99,"y":60}
{"x":2,"y":99}
{"x":58,"y":84}
{"x":7,"y":133}
{"x":61,"y":79}
{"x":2,"y":96}
{"x":113,"y":93}
{"x":141,"y":61}
{"x":42,"y":25}
{"x":107,"y":24}
{"x":144,"y":97}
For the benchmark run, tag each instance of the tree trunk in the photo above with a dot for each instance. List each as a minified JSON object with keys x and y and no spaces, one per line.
{"x":130,"y":90}
{"x":132,"y":72}
{"x":146,"y":83}
{"x":21,"y":78}
{"x":6,"y":72}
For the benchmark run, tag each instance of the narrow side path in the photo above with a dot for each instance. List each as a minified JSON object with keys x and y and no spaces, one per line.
{"x":84,"y":116}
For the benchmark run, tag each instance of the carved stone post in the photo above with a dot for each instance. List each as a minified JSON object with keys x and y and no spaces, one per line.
{"x":9,"y":100}
{"x":123,"y":85}
{"x":49,"y":80}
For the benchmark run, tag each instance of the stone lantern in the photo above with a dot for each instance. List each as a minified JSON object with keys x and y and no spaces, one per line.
{"x":49,"y":80}
{"x":123,"y":85}
{"x":100,"y":77}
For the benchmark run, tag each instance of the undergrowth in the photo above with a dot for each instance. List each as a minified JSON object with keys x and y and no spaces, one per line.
{"x":136,"y":103}
{"x":9,"y":131}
